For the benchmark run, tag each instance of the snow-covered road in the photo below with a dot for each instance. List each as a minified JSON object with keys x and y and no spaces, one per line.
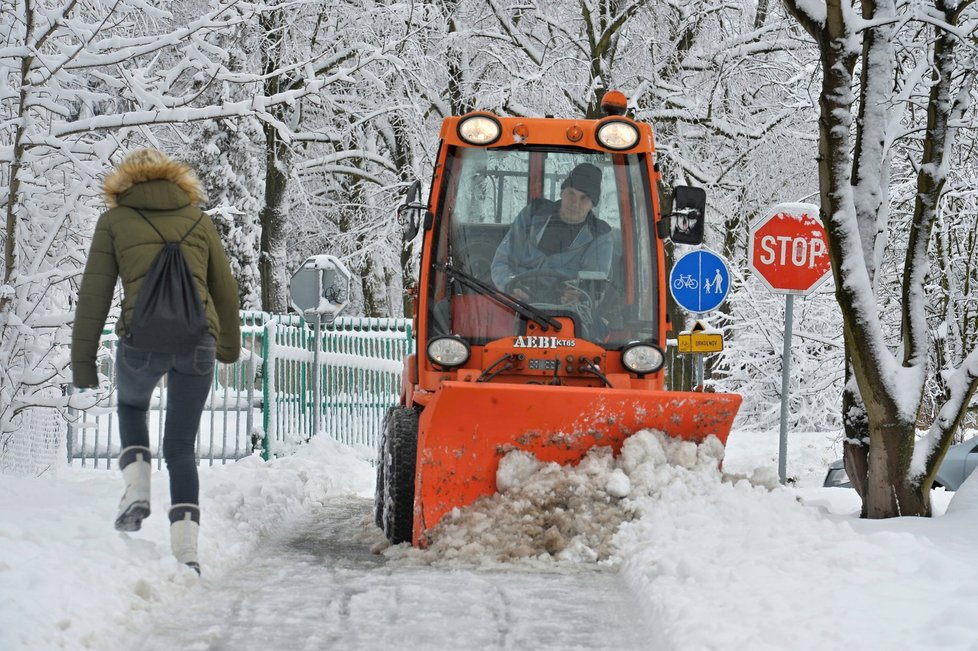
{"x":704,"y":562}
{"x":319,"y":586}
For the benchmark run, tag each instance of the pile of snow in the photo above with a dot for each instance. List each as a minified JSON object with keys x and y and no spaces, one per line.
{"x":548,"y":512}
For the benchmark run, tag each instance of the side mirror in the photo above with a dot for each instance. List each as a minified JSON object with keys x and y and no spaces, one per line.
{"x":688,"y":212}
{"x":410,"y":213}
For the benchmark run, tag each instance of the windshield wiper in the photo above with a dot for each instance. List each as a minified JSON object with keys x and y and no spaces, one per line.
{"x":523,"y":309}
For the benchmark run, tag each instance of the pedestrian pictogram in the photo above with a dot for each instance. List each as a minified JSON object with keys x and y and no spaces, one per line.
{"x":699,"y":281}
{"x":789,"y":249}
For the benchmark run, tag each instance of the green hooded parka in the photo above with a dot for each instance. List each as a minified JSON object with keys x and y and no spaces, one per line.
{"x":124,"y":246}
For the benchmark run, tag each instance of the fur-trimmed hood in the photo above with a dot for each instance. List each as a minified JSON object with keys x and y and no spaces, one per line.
{"x":151,"y":165}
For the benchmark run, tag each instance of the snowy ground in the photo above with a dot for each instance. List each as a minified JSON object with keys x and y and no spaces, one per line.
{"x":653,"y":550}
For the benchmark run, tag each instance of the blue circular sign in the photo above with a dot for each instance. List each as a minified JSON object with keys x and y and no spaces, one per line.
{"x":699,"y":281}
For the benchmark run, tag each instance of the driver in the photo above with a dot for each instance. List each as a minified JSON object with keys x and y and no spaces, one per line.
{"x":563,"y":237}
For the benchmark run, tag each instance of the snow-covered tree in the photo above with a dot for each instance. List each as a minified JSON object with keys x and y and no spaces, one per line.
{"x":751,"y":361}
{"x":80,"y":81}
{"x":299,"y":46}
{"x":226,"y":156}
{"x":871,"y":99}
{"x":953,"y":285}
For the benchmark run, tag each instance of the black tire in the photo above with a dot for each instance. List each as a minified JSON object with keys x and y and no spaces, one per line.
{"x":400,"y":460}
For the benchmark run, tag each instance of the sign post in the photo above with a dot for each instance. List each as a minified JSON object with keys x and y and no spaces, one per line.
{"x":789,"y":252}
{"x":319,"y":288}
{"x":698,"y":341}
{"x":699,"y":282}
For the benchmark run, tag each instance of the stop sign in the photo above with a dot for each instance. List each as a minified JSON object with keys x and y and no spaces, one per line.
{"x":789,"y":249}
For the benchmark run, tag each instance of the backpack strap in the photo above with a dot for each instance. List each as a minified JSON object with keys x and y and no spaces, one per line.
{"x":166,"y":241}
{"x":192,"y":227}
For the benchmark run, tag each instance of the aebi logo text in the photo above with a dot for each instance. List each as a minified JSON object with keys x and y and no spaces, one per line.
{"x":534,"y":341}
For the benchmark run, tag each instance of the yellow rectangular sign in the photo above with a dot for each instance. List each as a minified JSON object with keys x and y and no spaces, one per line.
{"x":700,"y":342}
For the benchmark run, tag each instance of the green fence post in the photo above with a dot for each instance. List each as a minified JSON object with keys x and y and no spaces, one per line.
{"x":303,"y":395}
{"x":268,"y":370}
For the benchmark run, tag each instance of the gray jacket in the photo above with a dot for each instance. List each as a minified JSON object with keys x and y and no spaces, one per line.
{"x":518,"y":253}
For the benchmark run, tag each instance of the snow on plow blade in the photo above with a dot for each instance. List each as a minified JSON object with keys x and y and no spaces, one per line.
{"x":467,"y":427}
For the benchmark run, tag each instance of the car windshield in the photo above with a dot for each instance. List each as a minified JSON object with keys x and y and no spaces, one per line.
{"x":506,"y":219}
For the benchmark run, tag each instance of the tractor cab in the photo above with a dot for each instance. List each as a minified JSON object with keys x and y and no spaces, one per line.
{"x":594,"y":280}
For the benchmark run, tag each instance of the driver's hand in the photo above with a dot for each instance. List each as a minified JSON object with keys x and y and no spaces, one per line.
{"x":520,"y":294}
{"x":571,"y":295}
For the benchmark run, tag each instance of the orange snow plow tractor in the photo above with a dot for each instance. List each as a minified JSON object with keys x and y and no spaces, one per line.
{"x":540,"y":318}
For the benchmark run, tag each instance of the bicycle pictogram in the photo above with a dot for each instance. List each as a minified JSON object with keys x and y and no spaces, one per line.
{"x":685,"y":280}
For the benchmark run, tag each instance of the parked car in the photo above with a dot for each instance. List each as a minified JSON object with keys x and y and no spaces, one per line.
{"x":958,"y":463}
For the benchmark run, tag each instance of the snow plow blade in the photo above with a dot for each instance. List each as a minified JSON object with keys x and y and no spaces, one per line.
{"x":468,"y":427}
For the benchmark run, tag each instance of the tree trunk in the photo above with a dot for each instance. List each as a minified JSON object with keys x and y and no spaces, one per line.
{"x":761,"y":16}
{"x":13,"y":192}
{"x":402,"y":162}
{"x":886,"y":492}
{"x":274,"y":254}
{"x":274,"y":214}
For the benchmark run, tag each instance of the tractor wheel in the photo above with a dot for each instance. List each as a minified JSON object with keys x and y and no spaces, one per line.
{"x":400,"y":458}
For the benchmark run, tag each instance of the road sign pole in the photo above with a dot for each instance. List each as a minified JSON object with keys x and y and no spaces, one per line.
{"x":316,"y":371}
{"x":320,"y":287}
{"x":699,"y":370}
{"x":785,"y":373}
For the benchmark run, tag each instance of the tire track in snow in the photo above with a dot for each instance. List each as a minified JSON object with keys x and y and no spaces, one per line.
{"x":319,"y":586}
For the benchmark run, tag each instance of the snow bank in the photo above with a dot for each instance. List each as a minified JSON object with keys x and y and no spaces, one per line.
{"x":547,"y":512}
{"x":722,"y":561}
{"x":733,"y":565}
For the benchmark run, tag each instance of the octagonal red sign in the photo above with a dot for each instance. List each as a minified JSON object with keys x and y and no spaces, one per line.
{"x":789,"y":250}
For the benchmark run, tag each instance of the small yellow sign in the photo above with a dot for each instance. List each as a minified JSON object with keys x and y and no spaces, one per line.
{"x":697,"y":341}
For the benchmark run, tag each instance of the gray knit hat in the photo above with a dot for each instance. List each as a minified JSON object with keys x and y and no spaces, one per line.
{"x":586,"y":178}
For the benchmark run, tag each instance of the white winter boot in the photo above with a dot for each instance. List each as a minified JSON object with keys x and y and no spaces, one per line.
{"x":136,"y":470}
{"x":184,"y":525}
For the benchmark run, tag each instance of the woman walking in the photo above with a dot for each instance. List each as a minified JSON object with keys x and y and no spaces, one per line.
{"x":172,"y":323}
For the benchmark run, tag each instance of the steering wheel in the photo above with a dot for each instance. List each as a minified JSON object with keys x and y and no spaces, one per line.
{"x":549,"y":286}
{"x":542,"y":285}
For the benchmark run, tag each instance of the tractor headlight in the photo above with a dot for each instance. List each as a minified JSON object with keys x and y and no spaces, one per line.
{"x":448,"y":352}
{"x":479,"y":130}
{"x":617,"y":134}
{"x":642,"y":358}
